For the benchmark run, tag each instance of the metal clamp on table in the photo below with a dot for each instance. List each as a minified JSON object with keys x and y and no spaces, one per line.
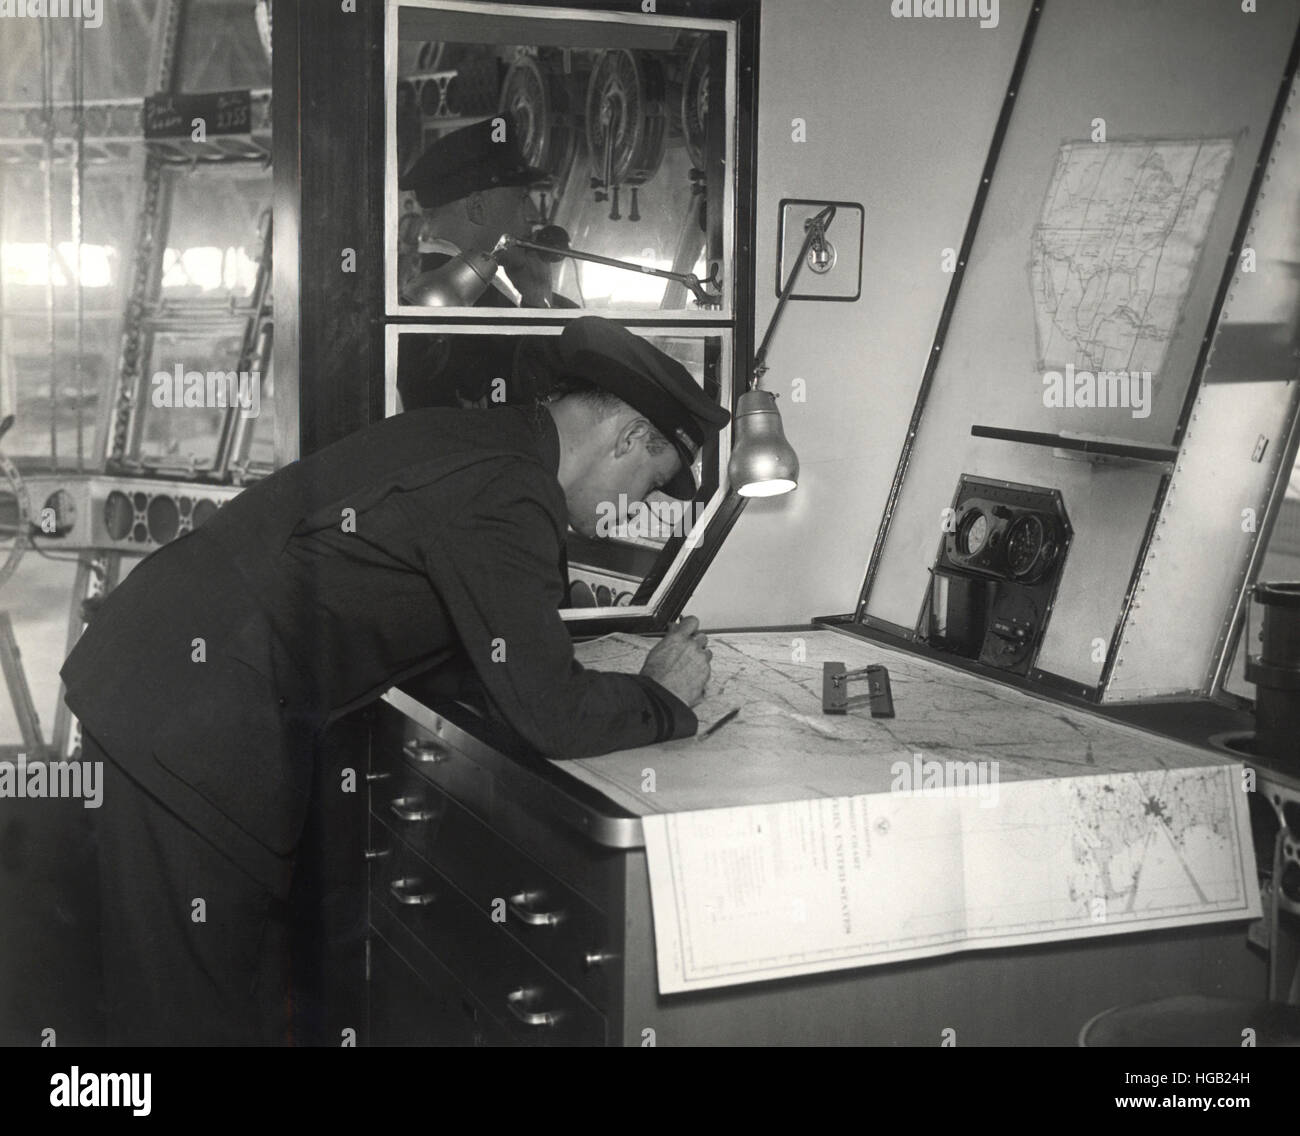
{"x":835,"y":689}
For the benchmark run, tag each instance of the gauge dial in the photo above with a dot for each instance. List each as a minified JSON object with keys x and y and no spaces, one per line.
{"x":537,"y":99}
{"x":695,"y":103}
{"x":581,"y":594}
{"x":972,"y":534}
{"x":626,"y":119}
{"x":1025,"y":545}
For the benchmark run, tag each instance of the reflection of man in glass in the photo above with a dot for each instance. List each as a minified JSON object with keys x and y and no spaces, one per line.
{"x":472,"y":186}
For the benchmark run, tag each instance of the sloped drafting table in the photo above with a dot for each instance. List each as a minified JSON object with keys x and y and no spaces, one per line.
{"x":792,"y":842}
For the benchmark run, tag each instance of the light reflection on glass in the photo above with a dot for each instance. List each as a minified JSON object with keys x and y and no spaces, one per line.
{"x":28,"y":263}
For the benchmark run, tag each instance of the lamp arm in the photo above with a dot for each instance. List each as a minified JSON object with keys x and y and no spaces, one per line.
{"x":817,"y":227}
{"x":687,"y":279}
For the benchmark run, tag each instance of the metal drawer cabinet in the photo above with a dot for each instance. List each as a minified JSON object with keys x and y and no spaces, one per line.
{"x":406,"y":1008}
{"x":414,"y":1001}
{"x":511,"y":890}
{"x":490,"y":787}
{"x":512,"y":984}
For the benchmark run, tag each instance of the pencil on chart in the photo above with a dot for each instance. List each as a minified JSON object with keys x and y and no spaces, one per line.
{"x":720,"y":723}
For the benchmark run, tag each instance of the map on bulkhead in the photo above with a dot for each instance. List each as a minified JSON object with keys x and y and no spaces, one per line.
{"x":1115,"y":249}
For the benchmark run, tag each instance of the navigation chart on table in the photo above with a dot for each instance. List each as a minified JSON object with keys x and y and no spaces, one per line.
{"x":784,"y":845}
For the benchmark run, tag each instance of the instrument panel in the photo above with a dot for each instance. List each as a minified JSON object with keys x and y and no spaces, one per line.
{"x":996,"y":573}
{"x":1004,"y":541}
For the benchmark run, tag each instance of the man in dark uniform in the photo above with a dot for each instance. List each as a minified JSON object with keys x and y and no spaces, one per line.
{"x":430,"y":541}
{"x":472,"y":187}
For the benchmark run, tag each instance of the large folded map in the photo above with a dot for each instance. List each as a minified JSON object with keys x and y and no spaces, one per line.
{"x":791,"y":842}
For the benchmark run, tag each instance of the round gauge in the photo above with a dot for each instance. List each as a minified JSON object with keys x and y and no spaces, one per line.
{"x":695,"y":102}
{"x":118,"y":515}
{"x":164,"y":519}
{"x":63,"y":509}
{"x":202,"y":511}
{"x":1025,"y":542}
{"x":626,"y":119}
{"x":972,"y":533}
{"x":581,"y":594}
{"x":538,"y":102}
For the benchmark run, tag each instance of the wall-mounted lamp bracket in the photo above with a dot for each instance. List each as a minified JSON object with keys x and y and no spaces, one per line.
{"x":833,"y":261}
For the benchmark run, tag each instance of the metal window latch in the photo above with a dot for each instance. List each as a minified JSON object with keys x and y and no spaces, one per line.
{"x":835,"y":689}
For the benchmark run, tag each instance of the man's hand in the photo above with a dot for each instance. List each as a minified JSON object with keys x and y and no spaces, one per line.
{"x":679,"y":662}
{"x":531,"y":275}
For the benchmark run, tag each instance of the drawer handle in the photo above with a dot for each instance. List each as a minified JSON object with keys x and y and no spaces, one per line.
{"x":521,"y":907}
{"x":412,"y":808}
{"x":407,"y":890}
{"x":377,"y":775}
{"x":377,"y":853}
{"x":427,"y":752}
{"x":517,"y":1002}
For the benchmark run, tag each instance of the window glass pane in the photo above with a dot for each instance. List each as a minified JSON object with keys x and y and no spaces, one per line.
{"x":260,"y":455}
{"x":181,"y":437}
{"x":620,"y":129}
{"x":221,"y":48}
{"x":109,"y":207}
{"x":213,"y":242}
{"x":642,"y":544}
{"x":668,"y":236}
{"x":115,"y":46}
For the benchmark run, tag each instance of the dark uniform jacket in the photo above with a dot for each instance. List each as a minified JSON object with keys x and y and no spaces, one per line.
{"x":433,"y":539}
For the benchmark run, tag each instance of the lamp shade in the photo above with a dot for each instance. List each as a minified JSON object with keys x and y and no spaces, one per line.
{"x":457,"y":284}
{"x":763,"y":464}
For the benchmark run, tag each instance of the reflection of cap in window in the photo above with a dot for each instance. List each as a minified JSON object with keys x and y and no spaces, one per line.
{"x":483,"y":156}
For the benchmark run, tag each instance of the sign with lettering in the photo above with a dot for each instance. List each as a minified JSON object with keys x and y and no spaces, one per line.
{"x":210,"y":113}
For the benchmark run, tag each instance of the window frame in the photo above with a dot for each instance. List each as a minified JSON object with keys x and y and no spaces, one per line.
{"x":733,"y":323}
